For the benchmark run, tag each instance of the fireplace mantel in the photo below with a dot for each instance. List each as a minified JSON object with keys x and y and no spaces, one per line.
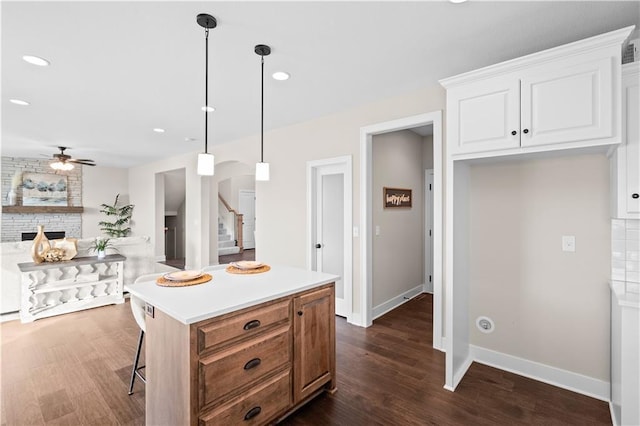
{"x":42,"y":209}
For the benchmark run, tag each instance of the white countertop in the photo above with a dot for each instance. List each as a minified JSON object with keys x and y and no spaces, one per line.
{"x":227,"y":292}
{"x":623,"y":294}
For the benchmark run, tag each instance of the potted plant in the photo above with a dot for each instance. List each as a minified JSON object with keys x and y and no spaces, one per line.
{"x":100,"y":246}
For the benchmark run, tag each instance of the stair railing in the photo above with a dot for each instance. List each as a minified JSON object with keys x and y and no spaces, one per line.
{"x":237,"y":223}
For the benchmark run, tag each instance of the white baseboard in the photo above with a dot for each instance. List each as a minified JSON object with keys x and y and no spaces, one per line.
{"x":458,"y":375}
{"x":441,"y":345}
{"x":614,"y":418}
{"x":10,"y":316}
{"x":574,"y":382}
{"x":391,"y":304}
{"x":161,"y":258}
{"x":355,"y":319}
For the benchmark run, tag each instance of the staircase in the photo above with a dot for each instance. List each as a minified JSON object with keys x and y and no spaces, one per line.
{"x":225,"y":244}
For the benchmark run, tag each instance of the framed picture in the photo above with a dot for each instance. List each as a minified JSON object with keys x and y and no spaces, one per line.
{"x":396,"y":197}
{"x":39,"y":189}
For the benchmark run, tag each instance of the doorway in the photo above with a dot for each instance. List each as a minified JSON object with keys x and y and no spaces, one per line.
{"x":366,"y":220}
{"x":329,"y":218}
{"x":247,"y":208}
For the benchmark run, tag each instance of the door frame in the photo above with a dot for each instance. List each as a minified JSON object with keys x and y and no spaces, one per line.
{"x":312,"y":166}
{"x":428,"y":224}
{"x":366,"y":215}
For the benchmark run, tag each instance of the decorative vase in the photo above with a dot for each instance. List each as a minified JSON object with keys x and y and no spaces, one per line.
{"x":12,"y":197}
{"x":101,"y":254}
{"x":40,"y":245}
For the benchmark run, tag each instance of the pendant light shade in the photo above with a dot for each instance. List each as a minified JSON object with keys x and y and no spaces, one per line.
{"x":205,"y":160}
{"x":262,"y":168}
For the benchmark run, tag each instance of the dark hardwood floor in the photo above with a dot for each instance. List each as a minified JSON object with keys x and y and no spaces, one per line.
{"x":74,"y":369}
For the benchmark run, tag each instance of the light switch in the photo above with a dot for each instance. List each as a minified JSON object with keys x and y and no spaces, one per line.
{"x":568,"y":243}
{"x":377,"y":230}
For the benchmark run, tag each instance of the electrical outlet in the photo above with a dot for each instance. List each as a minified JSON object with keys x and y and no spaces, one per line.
{"x":569,"y":243}
{"x":356,"y":231}
{"x":377,"y":230}
{"x":148,"y":309}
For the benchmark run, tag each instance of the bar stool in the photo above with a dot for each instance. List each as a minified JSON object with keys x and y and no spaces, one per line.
{"x":137,"y":307}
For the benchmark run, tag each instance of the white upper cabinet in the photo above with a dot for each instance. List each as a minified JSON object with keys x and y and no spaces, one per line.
{"x":568,"y":103}
{"x":566,"y":97}
{"x":486,"y":114}
{"x":626,"y":160}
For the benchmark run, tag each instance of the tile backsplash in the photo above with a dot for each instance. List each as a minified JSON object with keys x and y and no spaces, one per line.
{"x":625,"y":250}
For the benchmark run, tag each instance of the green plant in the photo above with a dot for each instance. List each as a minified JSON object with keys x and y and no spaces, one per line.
{"x":101,"y":244}
{"x":122,"y":215}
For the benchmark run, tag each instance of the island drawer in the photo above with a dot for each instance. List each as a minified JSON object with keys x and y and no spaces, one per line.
{"x":231,"y":369}
{"x":227,"y":329}
{"x":257,"y":407}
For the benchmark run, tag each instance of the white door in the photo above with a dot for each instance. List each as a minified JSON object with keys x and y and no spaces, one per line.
{"x":247,"y":207}
{"x":330,"y":237}
{"x":428,"y":233}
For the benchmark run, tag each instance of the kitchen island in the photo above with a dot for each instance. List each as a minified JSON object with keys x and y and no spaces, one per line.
{"x":239,"y":349}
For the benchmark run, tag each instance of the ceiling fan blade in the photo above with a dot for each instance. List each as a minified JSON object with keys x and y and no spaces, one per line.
{"x":84,"y":163}
{"x":88,"y":160}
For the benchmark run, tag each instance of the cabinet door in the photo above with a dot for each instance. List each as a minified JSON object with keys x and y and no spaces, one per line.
{"x":314,"y":342}
{"x":484,"y":116}
{"x":567,"y":102}
{"x":631,"y":144}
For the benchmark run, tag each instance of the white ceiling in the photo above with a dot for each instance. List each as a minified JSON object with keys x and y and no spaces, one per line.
{"x":119,"y":69}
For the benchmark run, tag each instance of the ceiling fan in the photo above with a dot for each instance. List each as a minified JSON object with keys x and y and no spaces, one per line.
{"x":65,"y":162}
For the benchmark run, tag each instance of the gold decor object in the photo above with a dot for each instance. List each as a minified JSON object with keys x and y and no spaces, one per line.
{"x":69,"y":245}
{"x":163,"y":282}
{"x":54,"y":255}
{"x":40,"y":245}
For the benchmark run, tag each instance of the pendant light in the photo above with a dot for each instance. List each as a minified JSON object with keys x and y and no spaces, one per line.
{"x":206,"y":160}
{"x":262,"y":168}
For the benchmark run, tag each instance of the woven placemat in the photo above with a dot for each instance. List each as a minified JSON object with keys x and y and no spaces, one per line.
{"x":161,"y":281}
{"x":233,"y":270}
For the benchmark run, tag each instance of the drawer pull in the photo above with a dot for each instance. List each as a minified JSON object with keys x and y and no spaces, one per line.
{"x":252,"y":363}
{"x":252,"y":413}
{"x":252,"y":324}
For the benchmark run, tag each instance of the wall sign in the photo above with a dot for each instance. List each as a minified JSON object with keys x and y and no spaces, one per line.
{"x":396,"y":197}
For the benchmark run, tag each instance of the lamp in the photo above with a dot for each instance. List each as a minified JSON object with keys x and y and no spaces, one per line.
{"x":206,"y":160}
{"x":262,"y":168}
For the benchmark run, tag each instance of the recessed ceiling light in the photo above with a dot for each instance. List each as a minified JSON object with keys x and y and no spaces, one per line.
{"x":35,"y":60}
{"x":281,"y":75}
{"x":208,"y":108}
{"x":457,"y":1}
{"x":19,"y":102}
{"x":158,"y":130}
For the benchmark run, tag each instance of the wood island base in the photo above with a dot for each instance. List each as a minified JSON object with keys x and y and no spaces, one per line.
{"x":253,"y":366}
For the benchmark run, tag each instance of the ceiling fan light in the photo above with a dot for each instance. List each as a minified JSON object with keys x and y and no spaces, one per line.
{"x":59,"y":165}
{"x":205,"y":164}
{"x":262,"y":171}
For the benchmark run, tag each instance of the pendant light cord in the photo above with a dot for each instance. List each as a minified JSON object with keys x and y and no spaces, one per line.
{"x":262,"y":113}
{"x":206,"y":88}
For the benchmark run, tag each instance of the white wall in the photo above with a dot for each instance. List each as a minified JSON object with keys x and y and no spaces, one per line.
{"x":398,"y":252}
{"x":101,"y":185}
{"x":548,"y":306}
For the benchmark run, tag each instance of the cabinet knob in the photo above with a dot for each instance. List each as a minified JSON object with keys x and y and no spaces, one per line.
{"x":252,"y":413}
{"x":300,"y":313}
{"x":525,"y":131}
{"x":635,"y":195}
{"x":251,"y":324}
{"x":513,"y":132}
{"x":318,"y":245}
